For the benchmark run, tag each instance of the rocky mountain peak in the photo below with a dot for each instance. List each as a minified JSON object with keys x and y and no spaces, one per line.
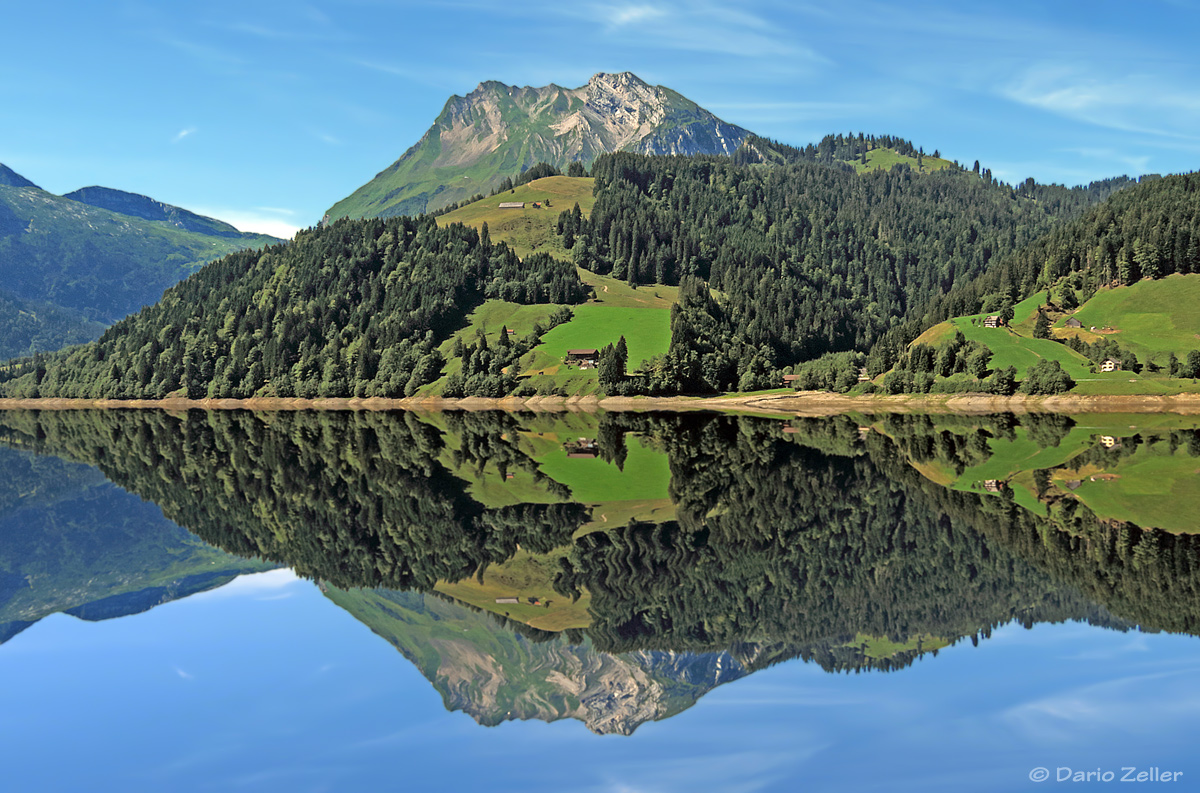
{"x":499,"y":130}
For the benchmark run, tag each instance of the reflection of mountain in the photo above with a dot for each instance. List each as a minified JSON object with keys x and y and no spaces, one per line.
{"x":71,"y":542}
{"x":495,"y":673}
{"x":823,"y":543}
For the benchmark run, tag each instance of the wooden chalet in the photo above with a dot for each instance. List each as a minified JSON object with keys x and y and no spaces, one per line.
{"x":993,"y":321}
{"x":789,"y":380}
{"x":1109,"y":365}
{"x":582,"y":447}
{"x":1072,"y":323}
{"x":584,"y":359}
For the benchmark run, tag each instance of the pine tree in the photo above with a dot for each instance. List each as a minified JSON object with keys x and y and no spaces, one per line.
{"x":1041,"y":328}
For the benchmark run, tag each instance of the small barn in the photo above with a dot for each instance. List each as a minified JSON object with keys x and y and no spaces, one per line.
{"x":993,"y":321}
{"x":789,"y":380}
{"x":583,"y":358}
{"x":512,"y":204}
{"x":1073,"y":323}
{"x":1109,"y":365}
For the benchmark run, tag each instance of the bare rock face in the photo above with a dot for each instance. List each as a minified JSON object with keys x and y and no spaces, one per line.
{"x":494,"y":673}
{"x":500,"y":130}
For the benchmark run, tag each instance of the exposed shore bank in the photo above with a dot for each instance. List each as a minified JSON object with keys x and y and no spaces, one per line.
{"x":808,"y":403}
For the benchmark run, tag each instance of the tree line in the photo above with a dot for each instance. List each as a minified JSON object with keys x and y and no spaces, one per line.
{"x":355,"y":308}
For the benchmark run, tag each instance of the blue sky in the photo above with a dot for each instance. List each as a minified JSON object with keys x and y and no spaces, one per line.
{"x":266,"y":113}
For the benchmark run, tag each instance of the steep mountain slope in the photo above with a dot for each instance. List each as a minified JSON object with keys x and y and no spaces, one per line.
{"x":105,"y":260}
{"x":71,"y":542}
{"x":30,"y":326}
{"x":140,"y":206}
{"x":10,"y":178}
{"x":495,"y":673}
{"x":499,"y":130}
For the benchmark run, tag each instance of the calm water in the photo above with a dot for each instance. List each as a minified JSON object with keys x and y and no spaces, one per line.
{"x":361,"y":601}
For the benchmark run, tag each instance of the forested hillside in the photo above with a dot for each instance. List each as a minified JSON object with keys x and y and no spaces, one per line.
{"x":1147,"y":232}
{"x":1142,"y":234}
{"x":353,"y":309}
{"x":808,"y":258}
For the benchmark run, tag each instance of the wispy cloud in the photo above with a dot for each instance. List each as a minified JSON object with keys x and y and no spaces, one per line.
{"x":630,"y":14}
{"x":1129,"y":103}
{"x":699,"y":27}
{"x":183,"y":133}
{"x":1120,"y":705}
{"x":184,"y":675}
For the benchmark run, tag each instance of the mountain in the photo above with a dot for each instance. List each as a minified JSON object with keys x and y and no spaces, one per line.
{"x":71,"y":542}
{"x":74,"y":263}
{"x":494,"y":673}
{"x":140,"y":206}
{"x":10,"y":178}
{"x":31,"y":326}
{"x":499,"y":130}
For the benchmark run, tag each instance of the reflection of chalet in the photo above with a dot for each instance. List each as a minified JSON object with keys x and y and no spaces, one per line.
{"x":508,"y":600}
{"x":1109,"y":441}
{"x":1109,"y":365}
{"x":584,"y":359}
{"x":993,"y":485}
{"x":1073,"y":323}
{"x":1073,"y":484}
{"x":993,"y":321}
{"x":863,"y":376}
{"x":582,"y":447}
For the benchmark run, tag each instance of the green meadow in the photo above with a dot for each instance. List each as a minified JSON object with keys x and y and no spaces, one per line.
{"x":1151,"y":318}
{"x":1153,"y":488}
{"x":529,"y":229}
{"x":885,"y":159}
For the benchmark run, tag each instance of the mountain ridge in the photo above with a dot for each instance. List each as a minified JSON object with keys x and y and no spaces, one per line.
{"x":141,"y":206}
{"x":498,"y":130}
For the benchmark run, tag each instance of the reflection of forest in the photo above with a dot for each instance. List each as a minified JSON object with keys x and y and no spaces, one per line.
{"x":827,"y":541}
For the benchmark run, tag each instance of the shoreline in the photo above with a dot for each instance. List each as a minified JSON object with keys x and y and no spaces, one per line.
{"x":804,"y":403}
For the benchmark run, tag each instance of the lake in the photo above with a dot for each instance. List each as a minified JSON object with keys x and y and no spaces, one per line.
{"x":624,"y":602}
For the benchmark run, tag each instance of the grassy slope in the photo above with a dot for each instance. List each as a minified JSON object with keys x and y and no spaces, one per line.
{"x":528,"y":230}
{"x":639,"y":489}
{"x":524,"y":576}
{"x":1174,"y":325}
{"x":1151,"y":318}
{"x":885,"y":159}
{"x":642,"y":315}
{"x":1154,"y":488}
